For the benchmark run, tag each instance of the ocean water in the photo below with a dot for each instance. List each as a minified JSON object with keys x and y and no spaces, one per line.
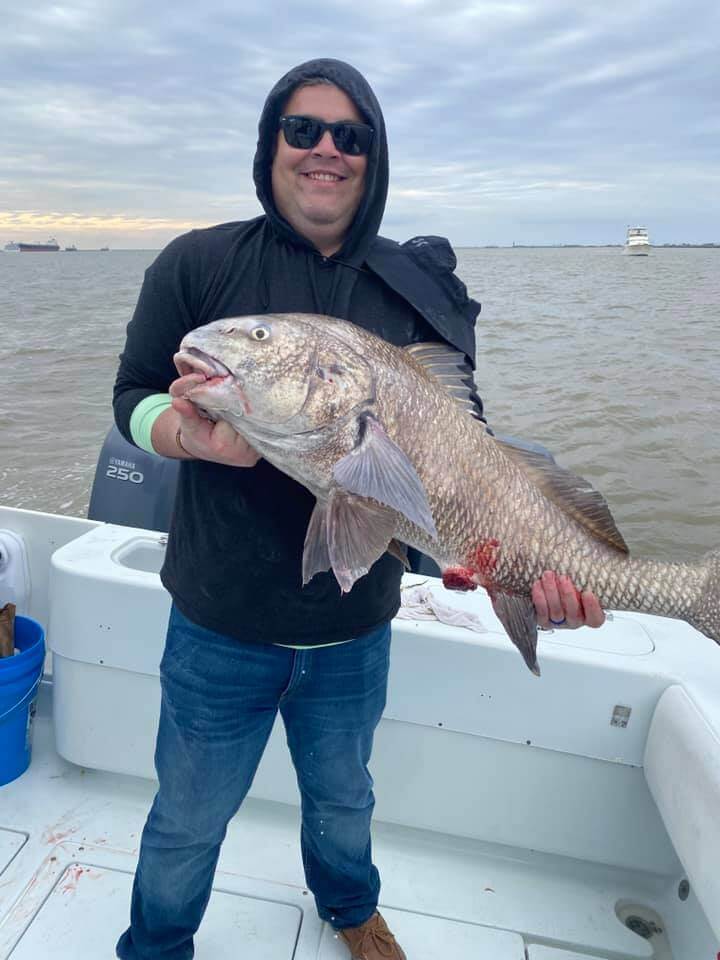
{"x":612,"y":362}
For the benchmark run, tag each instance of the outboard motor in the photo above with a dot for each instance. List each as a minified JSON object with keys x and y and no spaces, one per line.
{"x":131,"y":487}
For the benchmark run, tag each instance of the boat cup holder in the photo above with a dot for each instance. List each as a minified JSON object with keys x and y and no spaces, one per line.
{"x":145,"y":554}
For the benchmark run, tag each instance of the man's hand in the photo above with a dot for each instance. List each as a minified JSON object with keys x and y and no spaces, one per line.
{"x":559,"y":603}
{"x":200,"y":437}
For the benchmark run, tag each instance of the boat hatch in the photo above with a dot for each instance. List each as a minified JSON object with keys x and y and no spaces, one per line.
{"x":423,"y":936}
{"x":88,"y":905}
{"x":10,"y":842}
{"x":537,"y":952}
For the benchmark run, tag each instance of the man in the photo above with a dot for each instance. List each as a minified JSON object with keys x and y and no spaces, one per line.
{"x":245,"y":638}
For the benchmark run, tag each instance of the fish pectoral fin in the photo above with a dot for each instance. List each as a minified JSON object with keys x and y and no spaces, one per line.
{"x":378,"y":468}
{"x":399,"y":551}
{"x":517,"y":615}
{"x":316,"y":557}
{"x":358,"y":534}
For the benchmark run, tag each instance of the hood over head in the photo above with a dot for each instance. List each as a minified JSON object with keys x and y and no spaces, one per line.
{"x":367,"y":220}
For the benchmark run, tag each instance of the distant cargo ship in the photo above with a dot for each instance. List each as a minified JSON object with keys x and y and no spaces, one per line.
{"x":50,"y":246}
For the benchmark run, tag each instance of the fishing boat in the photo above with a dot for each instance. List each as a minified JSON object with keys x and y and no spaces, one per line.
{"x":12,"y":247}
{"x":568,"y":817}
{"x":50,"y":246}
{"x":71,"y":249}
{"x":637,"y":242}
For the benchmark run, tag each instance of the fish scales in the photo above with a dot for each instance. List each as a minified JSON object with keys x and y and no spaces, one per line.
{"x":449,"y":469}
{"x":382,"y":440}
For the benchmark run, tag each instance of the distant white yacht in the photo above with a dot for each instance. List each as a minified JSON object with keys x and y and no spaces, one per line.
{"x":637,"y":242}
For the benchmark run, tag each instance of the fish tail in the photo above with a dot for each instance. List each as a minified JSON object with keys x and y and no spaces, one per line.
{"x":706,"y":613}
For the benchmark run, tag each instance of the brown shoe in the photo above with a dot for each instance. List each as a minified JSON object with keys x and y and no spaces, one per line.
{"x":372,"y":941}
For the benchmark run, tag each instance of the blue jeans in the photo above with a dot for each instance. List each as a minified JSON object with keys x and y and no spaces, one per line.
{"x":219,"y":700}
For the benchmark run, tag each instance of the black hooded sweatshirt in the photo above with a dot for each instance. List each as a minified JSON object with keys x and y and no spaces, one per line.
{"x":234,"y":555}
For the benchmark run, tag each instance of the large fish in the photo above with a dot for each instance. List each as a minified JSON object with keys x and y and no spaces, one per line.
{"x":386,"y":440}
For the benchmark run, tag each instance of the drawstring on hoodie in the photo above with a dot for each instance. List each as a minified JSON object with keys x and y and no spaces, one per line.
{"x":348,"y":285}
{"x":317,"y":299}
{"x":263,"y":284}
{"x":343,"y":263}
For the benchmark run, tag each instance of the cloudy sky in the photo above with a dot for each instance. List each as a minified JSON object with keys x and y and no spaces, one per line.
{"x":126,"y":123}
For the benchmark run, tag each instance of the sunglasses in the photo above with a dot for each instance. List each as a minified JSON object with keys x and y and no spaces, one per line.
{"x":303,"y":133}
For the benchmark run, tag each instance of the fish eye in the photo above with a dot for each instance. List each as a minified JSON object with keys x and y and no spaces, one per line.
{"x":260,"y":332}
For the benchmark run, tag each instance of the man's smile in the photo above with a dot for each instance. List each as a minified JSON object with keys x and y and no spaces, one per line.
{"x":323,"y":176}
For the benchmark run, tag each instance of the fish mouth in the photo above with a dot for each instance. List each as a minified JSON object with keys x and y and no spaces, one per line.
{"x":192,"y":360}
{"x":212,"y":393}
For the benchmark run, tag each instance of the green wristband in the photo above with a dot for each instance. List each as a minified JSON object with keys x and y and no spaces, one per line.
{"x":144,"y":416}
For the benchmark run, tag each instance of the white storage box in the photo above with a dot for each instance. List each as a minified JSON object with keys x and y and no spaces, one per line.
{"x":108,"y":619}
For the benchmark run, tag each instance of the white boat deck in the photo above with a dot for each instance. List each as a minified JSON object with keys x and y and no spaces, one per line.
{"x":68,"y":849}
{"x":515,"y":819}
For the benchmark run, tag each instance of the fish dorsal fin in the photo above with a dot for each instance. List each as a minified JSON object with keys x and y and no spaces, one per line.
{"x":573,"y":494}
{"x":451,"y":369}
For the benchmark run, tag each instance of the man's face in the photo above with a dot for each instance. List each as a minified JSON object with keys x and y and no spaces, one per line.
{"x":318,"y":191}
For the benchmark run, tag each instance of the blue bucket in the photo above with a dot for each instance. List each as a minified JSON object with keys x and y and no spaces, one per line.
{"x":20,"y":678}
